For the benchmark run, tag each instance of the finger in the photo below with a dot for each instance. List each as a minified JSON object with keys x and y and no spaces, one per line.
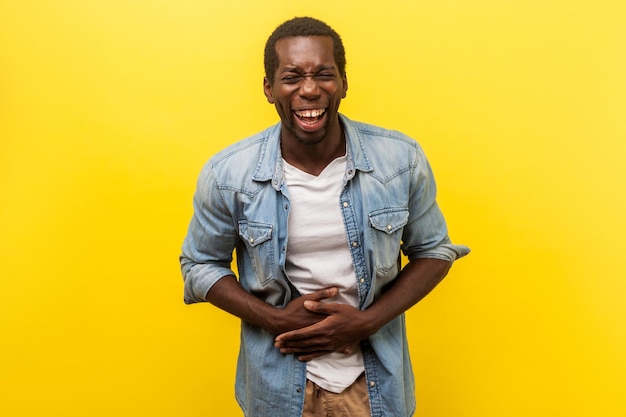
{"x":306,"y":353}
{"x":300,"y":350}
{"x":347,"y":350}
{"x":322,"y":294}
{"x":312,"y":355}
{"x":301,"y":345}
{"x":299,"y":334}
{"x":305,"y":357}
{"x":320,"y":308}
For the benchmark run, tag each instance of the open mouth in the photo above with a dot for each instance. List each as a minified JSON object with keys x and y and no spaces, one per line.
{"x":310,"y":117}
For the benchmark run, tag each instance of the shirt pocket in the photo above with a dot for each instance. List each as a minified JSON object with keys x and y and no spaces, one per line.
{"x":386,"y":228}
{"x":260,"y":248}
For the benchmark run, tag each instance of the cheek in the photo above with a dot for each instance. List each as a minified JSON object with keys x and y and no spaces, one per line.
{"x":283,"y":112}
{"x":282,"y":107}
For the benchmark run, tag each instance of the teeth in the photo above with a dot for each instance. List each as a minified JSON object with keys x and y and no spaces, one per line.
{"x":310,"y":113}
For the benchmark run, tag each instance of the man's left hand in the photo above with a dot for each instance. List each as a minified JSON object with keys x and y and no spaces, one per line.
{"x":342,"y":329}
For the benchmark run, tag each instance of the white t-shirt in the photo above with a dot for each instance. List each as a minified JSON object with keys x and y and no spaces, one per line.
{"x":318,"y":256}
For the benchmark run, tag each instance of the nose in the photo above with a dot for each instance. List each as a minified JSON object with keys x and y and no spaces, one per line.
{"x":309,"y":88}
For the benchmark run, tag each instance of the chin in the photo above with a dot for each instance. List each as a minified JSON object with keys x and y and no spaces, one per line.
{"x":310,"y":142}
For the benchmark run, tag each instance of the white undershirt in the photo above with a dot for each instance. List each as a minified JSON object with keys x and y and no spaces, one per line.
{"x":318,"y":256}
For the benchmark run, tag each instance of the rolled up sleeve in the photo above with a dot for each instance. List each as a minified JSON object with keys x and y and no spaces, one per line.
{"x":207,"y":251}
{"x":426,"y":234}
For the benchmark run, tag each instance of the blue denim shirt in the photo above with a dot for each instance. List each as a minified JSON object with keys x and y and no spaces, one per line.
{"x":388,"y":204}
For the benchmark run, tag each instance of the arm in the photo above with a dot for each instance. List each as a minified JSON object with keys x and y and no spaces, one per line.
{"x":228,"y":295}
{"x":206,"y":259}
{"x":344,"y":325}
{"x":425,"y":242}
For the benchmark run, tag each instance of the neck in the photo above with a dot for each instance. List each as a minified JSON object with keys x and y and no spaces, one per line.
{"x":313,"y":158}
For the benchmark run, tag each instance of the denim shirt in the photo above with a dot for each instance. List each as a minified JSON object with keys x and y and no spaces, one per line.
{"x":388,"y":205}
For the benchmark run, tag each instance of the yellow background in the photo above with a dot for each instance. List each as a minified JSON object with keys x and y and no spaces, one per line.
{"x":108,"y":109}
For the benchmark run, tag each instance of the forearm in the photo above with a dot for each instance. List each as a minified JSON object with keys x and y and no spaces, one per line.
{"x":415,"y":281}
{"x":228,"y":295}
{"x":345,"y":325}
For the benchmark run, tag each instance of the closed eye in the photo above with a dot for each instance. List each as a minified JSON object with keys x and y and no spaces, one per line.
{"x":290,"y":79}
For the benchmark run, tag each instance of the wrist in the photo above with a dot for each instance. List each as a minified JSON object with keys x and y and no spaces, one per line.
{"x":272,"y":319}
{"x":371,"y":322}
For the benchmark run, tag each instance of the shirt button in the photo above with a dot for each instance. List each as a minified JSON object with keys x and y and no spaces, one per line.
{"x":298,"y":389}
{"x":372,"y":384}
{"x":388,"y":227}
{"x":362,"y":280}
{"x":355,"y":244}
{"x":251,"y":240}
{"x":345,"y":204}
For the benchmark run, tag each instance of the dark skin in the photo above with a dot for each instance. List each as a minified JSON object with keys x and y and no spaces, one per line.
{"x":307,"y":79}
{"x":228,"y":295}
{"x":307,"y":91}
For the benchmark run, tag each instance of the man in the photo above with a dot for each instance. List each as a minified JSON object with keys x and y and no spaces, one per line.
{"x":317,"y":208}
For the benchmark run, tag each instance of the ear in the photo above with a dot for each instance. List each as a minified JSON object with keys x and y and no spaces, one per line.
{"x":345,"y":86}
{"x":267,"y":89}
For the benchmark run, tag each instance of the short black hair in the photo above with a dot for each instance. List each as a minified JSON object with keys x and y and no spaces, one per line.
{"x":302,"y":26}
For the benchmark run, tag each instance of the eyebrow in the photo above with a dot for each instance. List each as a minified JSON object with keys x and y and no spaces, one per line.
{"x":293,"y":68}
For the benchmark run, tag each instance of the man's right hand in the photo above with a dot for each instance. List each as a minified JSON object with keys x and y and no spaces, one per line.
{"x":228,"y":295}
{"x":295,"y":316}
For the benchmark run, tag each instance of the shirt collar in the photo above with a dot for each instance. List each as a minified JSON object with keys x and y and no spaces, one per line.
{"x":270,"y":166}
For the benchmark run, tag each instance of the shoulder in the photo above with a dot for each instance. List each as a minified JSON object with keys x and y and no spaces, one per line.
{"x":238,"y":166}
{"x":379,"y":139}
{"x":372,"y":132}
{"x":384,"y":149}
{"x":243,"y":149}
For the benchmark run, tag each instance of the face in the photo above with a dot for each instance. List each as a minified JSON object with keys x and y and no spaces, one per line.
{"x":307,"y":88}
